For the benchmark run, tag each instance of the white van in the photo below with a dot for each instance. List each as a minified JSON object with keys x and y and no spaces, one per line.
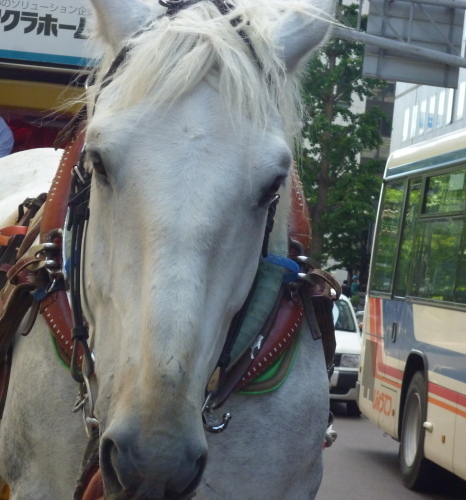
{"x":347,"y":355}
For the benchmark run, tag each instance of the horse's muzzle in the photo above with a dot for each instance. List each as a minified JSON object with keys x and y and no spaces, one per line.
{"x":128,"y":475}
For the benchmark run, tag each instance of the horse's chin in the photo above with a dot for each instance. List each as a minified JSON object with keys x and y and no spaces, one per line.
{"x":188,"y":495}
{"x":115,"y":491}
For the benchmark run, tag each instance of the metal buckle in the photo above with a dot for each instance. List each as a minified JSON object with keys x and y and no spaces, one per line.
{"x":211,"y":422}
{"x":85,"y":403}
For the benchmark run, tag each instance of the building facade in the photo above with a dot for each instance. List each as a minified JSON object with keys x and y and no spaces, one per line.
{"x":423,"y":112}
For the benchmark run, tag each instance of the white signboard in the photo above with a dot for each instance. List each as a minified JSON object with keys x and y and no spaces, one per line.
{"x":45,"y":31}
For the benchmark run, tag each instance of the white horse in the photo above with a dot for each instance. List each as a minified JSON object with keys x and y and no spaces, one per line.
{"x":187,"y":141}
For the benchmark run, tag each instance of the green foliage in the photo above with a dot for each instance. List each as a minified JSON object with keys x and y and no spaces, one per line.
{"x":341,"y":192}
{"x":350,"y":211}
{"x":355,"y":300}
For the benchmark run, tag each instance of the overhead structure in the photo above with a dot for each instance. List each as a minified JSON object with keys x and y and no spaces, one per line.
{"x":416,"y":41}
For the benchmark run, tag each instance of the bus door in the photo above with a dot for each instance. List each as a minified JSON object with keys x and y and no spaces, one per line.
{"x":377,"y":394}
{"x":399,"y":337}
{"x":398,"y":333}
{"x":381,"y":357}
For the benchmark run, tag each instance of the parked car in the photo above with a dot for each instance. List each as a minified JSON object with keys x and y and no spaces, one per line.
{"x":360,"y":318}
{"x":347,"y":355}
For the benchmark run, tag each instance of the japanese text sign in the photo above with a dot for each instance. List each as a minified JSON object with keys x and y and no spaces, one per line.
{"x":45,"y":31}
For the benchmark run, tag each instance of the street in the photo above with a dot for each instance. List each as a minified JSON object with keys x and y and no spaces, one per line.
{"x":363,"y":464}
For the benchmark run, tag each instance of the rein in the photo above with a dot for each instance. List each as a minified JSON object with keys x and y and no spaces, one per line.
{"x":78,"y":205}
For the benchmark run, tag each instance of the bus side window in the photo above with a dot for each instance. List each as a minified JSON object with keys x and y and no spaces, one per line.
{"x":438,"y":252}
{"x":407,"y":237}
{"x":389,"y":227}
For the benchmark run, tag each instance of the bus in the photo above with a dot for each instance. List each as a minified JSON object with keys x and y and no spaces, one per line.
{"x":412,"y":376}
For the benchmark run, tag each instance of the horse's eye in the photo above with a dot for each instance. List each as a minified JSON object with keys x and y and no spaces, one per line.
{"x":276,"y":185}
{"x":97,"y":164}
{"x":272,"y":189}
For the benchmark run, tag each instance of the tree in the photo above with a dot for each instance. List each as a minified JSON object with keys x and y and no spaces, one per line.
{"x":342,"y":192}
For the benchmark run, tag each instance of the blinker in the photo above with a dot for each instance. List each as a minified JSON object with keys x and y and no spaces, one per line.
{"x":269,"y":224}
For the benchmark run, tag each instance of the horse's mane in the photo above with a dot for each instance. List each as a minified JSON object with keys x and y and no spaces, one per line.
{"x":171,"y":56}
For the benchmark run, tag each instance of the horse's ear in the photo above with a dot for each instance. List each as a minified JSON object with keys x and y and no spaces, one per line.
{"x":301,"y":32}
{"x":117,"y":20}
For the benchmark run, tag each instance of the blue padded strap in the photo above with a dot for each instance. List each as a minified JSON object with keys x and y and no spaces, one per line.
{"x":289,"y":264}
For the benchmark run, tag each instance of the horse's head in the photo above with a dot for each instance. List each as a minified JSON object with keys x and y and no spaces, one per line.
{"x":188,"y":142}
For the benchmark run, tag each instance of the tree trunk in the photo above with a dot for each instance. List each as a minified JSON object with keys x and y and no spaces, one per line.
{"x":323,"y":178}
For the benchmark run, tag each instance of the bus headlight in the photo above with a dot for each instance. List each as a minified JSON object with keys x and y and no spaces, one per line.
{"x":350,"y":361}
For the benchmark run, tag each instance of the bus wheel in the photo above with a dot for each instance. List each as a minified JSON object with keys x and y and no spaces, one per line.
{"x":352,"y":409}
{"x":416,"y":470}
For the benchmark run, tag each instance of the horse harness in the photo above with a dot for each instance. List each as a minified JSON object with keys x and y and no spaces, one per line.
{"x":32,"y":279}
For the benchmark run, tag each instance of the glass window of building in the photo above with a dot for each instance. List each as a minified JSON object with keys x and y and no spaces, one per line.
{"x":414,"y":121}
{"x":460,"y":101}
{"x":422,"y":117}
{"x":441,"y":108}
{"x":406,"y":125}
{"x":449,"y":110}
{"x":431,"y":115}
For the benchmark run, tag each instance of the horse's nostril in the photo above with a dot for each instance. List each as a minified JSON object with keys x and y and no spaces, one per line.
{"x":109,"y":466}
{"x":174,"y":490}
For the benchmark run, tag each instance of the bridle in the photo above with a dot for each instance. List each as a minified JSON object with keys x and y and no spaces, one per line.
{"x":299,"y":277}
{"x":78,"y":205}
{"x":78,"y":213}
{"x":38,"y":271}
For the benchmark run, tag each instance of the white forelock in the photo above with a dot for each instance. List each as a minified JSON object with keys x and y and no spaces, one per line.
{"x":171,"y":56}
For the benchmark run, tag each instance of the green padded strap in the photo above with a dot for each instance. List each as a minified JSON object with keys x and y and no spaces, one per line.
{"x":268,"y":283}
{"x":276,"y":374}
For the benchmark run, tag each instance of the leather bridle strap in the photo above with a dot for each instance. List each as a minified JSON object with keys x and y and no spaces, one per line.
{"x":269,"y":225}
{"x":78,"y":214}
{"x":218,"y":381}
{"x":238,"y":320}
{"x":224,"y":7}
{"x":55,"y":307}
{"x":173,"y":7}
